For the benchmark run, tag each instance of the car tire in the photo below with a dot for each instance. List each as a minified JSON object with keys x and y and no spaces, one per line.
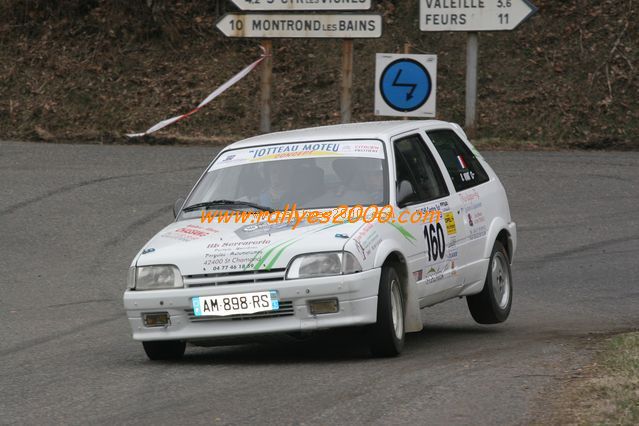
{"x":492,"y":305}
{"x":386,"y":336}
{"x":164,"y":350}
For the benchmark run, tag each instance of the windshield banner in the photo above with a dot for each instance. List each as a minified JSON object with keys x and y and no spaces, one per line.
{"x":368,"y":149}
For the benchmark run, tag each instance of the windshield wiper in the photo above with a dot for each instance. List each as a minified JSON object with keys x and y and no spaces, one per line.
{"x":214,"y":203}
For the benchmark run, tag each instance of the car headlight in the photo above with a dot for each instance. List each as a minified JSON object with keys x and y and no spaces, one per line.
{"x":322,"y":264}
{"x":157,"y":277}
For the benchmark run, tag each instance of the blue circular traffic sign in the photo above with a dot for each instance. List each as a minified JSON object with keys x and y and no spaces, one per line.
{"x":405,"y":85}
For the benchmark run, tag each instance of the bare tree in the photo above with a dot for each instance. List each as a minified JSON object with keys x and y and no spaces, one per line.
{"x":163,"y":18}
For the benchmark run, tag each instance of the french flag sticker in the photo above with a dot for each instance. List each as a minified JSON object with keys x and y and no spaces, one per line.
{"x":461,"y":162}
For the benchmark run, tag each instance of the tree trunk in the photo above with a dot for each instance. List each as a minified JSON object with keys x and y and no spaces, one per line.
{"x":164,"y":19}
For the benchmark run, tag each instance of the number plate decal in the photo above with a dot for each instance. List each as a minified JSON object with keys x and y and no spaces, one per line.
{"x":235,"y":304}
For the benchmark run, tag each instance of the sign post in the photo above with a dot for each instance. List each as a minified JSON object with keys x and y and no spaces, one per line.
{"x":265,"y":87}
{"x":346,"y":26}
{"x":347,"y":81}
{"x":473,"y":16}
{"x":472,"y":53}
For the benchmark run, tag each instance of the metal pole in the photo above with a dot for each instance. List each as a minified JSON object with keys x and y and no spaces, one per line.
{"x":472,"y":48}
{"x":347,"y":80}
{"x":265,"y":87}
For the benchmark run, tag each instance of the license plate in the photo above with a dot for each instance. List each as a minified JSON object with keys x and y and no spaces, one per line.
{"x":235,"y":304}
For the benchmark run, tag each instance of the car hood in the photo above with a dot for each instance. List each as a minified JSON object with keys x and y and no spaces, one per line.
{"x":201,"y":248}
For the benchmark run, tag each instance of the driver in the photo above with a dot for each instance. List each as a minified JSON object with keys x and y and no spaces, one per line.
{"x":360,"y":181}
{"x":373,"y":182}
{"x":279,"y":177}
{"x":370,"y":179}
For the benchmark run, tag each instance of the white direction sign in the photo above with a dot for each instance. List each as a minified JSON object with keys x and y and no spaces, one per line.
{"x":296,"y":5}
{"x":343,"y":25}
{"x":473,"y":15}
{"x":405,"y":85}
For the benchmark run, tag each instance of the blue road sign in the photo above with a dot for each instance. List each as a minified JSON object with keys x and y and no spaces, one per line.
{"x":405,"y":85}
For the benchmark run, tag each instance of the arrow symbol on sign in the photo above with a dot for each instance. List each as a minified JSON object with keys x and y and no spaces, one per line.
{"x":412,"y":86}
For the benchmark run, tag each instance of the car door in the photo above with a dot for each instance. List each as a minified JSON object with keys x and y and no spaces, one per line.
{"x":432,"y":269}
{"x":468,"y":178}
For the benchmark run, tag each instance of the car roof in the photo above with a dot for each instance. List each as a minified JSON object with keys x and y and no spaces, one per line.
{"x":371,"y":130}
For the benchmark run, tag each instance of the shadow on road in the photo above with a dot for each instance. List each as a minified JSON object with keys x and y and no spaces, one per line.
{"x":329,"y":346}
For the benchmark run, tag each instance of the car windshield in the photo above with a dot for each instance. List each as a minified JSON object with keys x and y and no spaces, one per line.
{"x":313,"y":175}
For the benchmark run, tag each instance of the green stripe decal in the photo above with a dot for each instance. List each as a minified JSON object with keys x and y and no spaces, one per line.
{"x":410,"y":237}
{"x":279,"y":253}
{"x":268,"y":252}
{"x":285,"y":245}
{"x":251,"y":261}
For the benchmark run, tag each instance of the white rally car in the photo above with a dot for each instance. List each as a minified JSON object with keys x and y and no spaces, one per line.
{"x":197,"y":281}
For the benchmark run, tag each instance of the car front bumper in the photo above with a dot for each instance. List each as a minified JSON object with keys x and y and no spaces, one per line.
{"x":356,"y":294}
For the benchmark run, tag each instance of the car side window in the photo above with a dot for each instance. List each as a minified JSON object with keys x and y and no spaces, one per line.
{"x":463,"y":167}
{"x":415,"y":164}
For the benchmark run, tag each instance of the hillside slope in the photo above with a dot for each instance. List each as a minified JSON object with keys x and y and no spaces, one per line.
{"x":78,"y":70}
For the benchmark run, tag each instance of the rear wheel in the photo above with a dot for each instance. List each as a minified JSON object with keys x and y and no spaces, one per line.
{"x":387,"y":334}
{"x":492,"y":305}
{"x":164,"y":350}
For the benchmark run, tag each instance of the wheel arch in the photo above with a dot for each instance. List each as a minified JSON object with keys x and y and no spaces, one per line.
{"x":499,"y":232}
{"x":412,"y":315}
{"x":397,"y":260}
{"x":505,"y":239}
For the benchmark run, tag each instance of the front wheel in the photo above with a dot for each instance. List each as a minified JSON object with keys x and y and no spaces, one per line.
{"x":164,"y":350}
{"x":492,"y":305}
{"x":387,"y":334}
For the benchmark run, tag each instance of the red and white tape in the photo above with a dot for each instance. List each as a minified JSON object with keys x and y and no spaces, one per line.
{"x":217,"y":92}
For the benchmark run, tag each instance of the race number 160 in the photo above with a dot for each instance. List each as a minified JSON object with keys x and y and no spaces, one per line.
{"x":435,"y":241}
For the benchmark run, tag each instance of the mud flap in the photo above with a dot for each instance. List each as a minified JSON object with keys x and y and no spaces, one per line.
{"x":413,"y":318}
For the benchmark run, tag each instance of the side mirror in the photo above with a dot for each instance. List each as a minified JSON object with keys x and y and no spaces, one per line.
{"x":404,"y":192}
{"x":178,"y":206}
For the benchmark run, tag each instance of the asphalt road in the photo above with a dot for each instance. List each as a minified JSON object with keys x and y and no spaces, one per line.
{"x":73,"y":216}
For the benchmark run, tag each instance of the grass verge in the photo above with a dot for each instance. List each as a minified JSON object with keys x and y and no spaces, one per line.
{"x":608,"y":391}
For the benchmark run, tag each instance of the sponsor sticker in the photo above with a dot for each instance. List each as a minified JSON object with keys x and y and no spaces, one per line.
{"x":368,"y":149}
{"x":449,"y":219}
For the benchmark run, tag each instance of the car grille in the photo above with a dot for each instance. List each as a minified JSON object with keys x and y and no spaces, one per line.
{"x":286,"y":309}
{"x":228,"y":278}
